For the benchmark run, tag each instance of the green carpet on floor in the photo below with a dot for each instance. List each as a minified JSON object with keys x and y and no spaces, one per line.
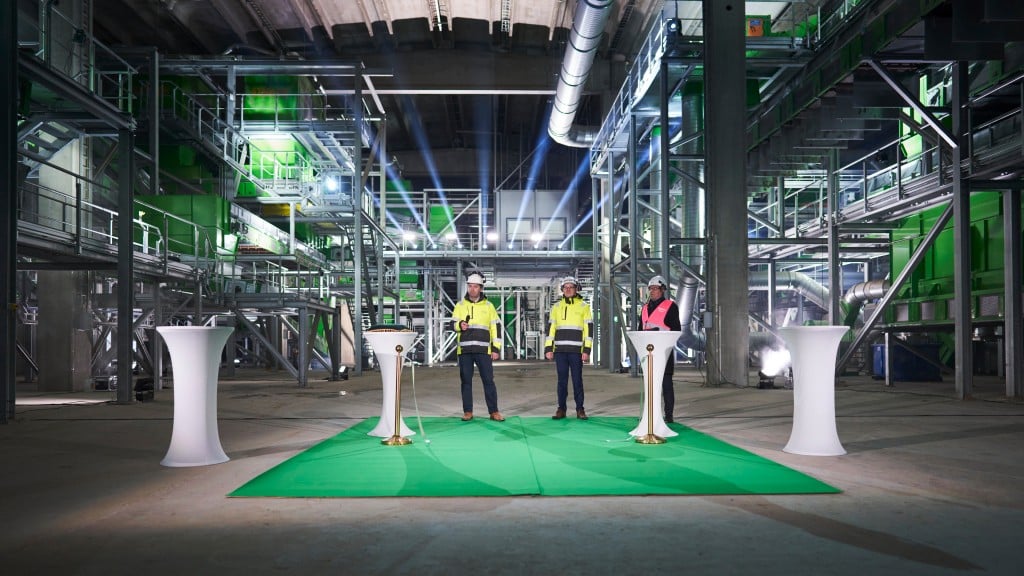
{"x":525,"y":456}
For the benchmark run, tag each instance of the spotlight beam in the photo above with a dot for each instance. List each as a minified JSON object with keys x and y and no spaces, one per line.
{"x":570,"y":192}
{"x":408,"y":202}
{"x":590,"y":214}
{"x":543,"y":145}
{"x":419,"y":134}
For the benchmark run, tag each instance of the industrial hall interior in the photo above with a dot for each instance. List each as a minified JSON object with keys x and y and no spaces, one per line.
{"x":309,"y":174}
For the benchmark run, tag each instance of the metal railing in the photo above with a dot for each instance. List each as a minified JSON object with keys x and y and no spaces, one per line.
{"x":88,"y":226}
{"x":71,"y":50}
{"x":289,"y":173}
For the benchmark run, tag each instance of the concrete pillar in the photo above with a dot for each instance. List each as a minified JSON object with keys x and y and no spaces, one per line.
{"x":63,"y":332}
{"x":725,"y":135}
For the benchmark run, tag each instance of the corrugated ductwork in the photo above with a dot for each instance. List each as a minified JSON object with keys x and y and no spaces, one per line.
{"x":687,"y":302}
{"x":587,"y":28}
{"x":859,"y":293}
{"x":686,"y":299}
{"x":801,"y":283}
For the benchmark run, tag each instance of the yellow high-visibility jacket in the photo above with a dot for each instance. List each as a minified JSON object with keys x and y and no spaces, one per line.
{"x":482,"y":335}
{"x":571,"y":327}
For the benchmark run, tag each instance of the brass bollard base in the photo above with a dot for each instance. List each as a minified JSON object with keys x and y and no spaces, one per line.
{"x":650,"y":439}
{"x":397,"y":440}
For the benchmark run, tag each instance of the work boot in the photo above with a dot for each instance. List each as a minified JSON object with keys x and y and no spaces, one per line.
{"x":559,"y":414}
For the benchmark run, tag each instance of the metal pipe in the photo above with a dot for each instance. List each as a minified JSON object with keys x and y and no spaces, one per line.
{"x":798,"y":281}
{"x":871,"y":290}
{"x":587,"y":29}
{"x":860,"y":293}
{"x":687,"y":302}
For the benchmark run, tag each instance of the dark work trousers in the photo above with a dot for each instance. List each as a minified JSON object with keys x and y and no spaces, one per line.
{"x":668,"y":392}
{"x":566,"y":362}
{"x":483,"y":362}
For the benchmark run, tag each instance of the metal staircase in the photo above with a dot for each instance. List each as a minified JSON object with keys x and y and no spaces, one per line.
{"x":185,"y":114}
{"x":38,"y":141}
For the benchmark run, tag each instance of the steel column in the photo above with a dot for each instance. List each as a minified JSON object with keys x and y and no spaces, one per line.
{"x":610,"y":298}
{"x":666,"y":166}
{"x":357,"y":233}
{"x":634,"y":242}
{"x":158,"y":342}
{"x":8,"y":204}
{"x":962,"y":276}
{"x":334,"y":343}
{"x":125,"y":263}
{"x":1013,"y":330}
{"x":835,"y":276}
{"x":302,"y":335}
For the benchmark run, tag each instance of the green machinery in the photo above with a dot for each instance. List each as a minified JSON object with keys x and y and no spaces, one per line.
{"x":926,"y":298}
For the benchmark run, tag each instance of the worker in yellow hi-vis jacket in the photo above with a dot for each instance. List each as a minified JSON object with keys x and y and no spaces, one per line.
{"x":476,"y":322}
{"x":569,"y":343}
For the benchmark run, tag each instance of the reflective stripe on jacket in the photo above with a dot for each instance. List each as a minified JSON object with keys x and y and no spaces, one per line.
{"x":571,"y":327}
{"x":482,"y":335}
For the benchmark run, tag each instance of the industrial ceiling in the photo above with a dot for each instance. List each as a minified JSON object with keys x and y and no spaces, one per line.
{"x":462,"y":75}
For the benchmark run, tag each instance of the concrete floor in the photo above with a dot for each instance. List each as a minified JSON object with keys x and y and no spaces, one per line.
{"x":931,"y":485}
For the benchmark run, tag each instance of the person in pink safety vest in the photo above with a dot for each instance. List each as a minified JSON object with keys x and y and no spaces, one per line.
{"x":661,"y":313}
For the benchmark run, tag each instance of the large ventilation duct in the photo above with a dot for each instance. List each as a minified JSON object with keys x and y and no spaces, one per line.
{"x":801,"y":283}
{"x":694,"y":338}
{"x":858,"y":294}
{"x":687,"y":302}
{"x":587,"y":28}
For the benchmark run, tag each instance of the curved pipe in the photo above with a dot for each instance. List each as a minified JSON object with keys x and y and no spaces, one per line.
{"x":801,"y":283}
{"x":687,"y":302}
{"x":858,"y":294}
{"x":587,"y":27}
{"x":871,"y":290}
{"x":695,"y":338}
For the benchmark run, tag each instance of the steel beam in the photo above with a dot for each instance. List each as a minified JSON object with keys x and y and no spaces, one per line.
{"x":74,"y":93}
{"x":912,"y":263}
{"x":271,"y":348}
{"x":914,"y":103}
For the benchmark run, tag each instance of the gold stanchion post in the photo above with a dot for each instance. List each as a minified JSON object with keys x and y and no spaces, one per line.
{"x":650,"y":437}
{"x":397,"y":439}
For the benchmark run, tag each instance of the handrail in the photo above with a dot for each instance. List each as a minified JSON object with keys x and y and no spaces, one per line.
{"x":73,"y":54}
{"x":238,"y":148}
{"x":86,"y":220}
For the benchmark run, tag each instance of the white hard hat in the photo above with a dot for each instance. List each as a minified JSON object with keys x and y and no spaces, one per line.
{"x":475,"y":278}
{"x":570,"y":280}
{"x":657,"y":281}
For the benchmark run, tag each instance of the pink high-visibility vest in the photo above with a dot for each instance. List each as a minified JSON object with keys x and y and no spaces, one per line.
{"x":656,"y":320}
